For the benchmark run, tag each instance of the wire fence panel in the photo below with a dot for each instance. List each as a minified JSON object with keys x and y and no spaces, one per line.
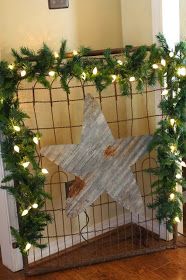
{"x":104,"y":231}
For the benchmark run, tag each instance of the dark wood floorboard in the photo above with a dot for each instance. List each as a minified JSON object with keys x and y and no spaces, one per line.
{"x":165,"y":265}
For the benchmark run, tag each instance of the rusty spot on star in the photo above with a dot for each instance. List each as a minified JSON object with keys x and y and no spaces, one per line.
{"x":110,"y":151}
{"x":76,"y":186}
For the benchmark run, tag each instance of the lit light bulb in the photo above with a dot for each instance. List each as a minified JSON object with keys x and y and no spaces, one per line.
{"x":83,"y":76}
{"x":132,"y":79}
{"x":178,"y":187}
{"x":1,"y":100}
{"x":51,"y":73}
{"x":28,"y":246}
{"x":173,"y":79}
{"x":16,"y":128}
{"x":44,"y":171}
{"x":173,"y":148}
{"x":172,"y":122}
{"x":25,"y":164}
{"x":171,"y":54}
{"x":23,"y":73}
{"x":173,"y":94}
{"x":95,"y":71}
{"x":181,"y":71}
{"x":56,"y":55}
{"x":16,"y":149}
{"x":113,"y":78}
{"x":36,"y":140}
{"x":75,"y":52}
{"x":119,"y":62}
{"x":183,"y":164}
{"x":155,"y":66}
{"x":165,"y":81}
{"x":35,"y":205}
{"x":24,"y":213}
{"x":164,"y":92}
{"x":178,"y":176}
{"x":177,"y":219}
{"x":163,"y":62}
{"x":11,"y":66}
{"x":172,"y":196}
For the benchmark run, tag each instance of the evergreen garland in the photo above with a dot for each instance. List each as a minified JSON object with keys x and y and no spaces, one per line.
{"x":144,"y":65}
{"x":169,"y":138}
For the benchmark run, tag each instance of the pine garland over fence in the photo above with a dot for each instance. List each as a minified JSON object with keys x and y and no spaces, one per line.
{"x":144,"y":65}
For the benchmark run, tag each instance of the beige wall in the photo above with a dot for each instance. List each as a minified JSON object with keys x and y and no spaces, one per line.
{"x":91,"y":23}
{"x":97,"y":24}
{"x":29,"y":23}
{"x":183,"y":19}
{"x":136,"y":22}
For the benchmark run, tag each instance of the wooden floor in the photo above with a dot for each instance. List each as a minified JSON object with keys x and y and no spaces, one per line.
{"x":166,"y":265}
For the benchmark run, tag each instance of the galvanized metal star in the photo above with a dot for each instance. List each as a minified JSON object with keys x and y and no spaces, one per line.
{"x":100,"y":163}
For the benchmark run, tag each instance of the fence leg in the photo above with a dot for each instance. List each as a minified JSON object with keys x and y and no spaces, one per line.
{"x":25,"y":264}
{"x":175,"y":235}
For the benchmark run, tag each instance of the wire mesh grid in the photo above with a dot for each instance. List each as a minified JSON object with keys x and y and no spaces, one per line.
{"x":105,"y":231}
